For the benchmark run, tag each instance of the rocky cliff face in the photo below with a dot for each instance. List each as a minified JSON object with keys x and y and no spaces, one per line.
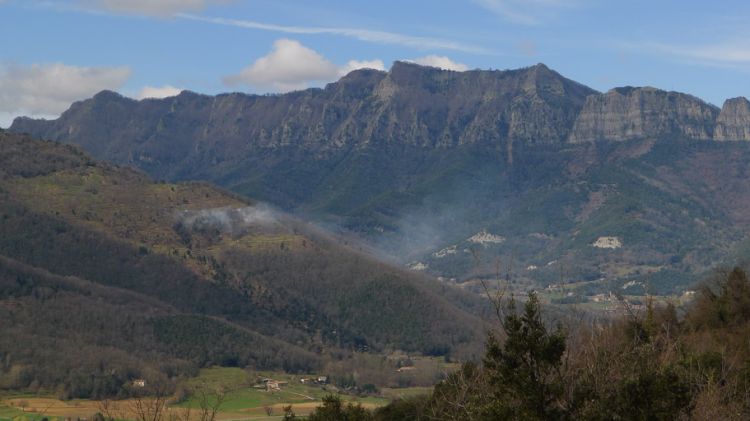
{"x":734,"y":120}
{"x":631,"y":113}
{"x":409,"y":105}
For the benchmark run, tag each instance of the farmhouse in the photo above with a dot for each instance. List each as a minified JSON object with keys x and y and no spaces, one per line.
{"x":274,"y":385}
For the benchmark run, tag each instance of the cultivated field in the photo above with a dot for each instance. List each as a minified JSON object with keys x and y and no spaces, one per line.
{"x":241,"y":400}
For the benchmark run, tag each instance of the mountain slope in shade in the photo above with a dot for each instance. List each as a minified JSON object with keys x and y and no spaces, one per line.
{"x":193,"y":275}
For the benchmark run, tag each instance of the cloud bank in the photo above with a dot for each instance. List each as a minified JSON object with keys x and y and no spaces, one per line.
{"x":158,"y":92}
{"x":292,"y":66}
{"x":441,"y":62}
{"x":49,"y":89}
{"x":353,"y":65}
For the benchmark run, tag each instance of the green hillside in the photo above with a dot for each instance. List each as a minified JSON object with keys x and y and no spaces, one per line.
{"x":189,"y":276}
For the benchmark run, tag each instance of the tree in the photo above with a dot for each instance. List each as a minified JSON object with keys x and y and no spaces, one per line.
{"x":460,"y":395}
{"x":289,"y":414}
{"x":525,"y":371}
{"x":334,"y":410}
{"x":209,"y":403}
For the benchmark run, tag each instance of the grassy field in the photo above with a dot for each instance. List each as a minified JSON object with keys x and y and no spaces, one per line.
{"x":241,"y":396}
{"x":9,"y":413}
{"x":242,"y":401}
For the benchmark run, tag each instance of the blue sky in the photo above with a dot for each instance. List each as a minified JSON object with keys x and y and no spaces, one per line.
{"x":56,"y":52}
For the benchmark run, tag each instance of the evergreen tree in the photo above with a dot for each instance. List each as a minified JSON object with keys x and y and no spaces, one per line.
{"x":524,"y":372}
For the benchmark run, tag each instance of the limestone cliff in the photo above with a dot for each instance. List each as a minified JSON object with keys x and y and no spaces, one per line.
{"x":410,"y":105}
{"x":632,"y":113}
{"x":734,"y":120}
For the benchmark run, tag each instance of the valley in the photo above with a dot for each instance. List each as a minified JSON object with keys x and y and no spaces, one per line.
{"x":241,"y":398}
{"x":481,"y":210}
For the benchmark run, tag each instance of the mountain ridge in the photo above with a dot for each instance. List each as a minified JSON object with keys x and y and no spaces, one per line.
{"x":416,"y":160}
{"x":534,"y":86}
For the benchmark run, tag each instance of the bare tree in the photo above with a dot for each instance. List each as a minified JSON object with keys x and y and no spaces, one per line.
{"x":210,"y":401}
{"x":110,"y":408}
{"x":149,"y":408}
{"x":457,"y":396}
{"x":181,"y":414}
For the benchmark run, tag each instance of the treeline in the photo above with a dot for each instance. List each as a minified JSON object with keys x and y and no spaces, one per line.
{"x":659,"y":364}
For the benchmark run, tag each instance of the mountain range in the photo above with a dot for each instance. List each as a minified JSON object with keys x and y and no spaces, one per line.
{"x":521,"y":173}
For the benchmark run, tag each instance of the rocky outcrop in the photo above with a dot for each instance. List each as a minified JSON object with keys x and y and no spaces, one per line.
{"x":632,"y":113}
{"x":733,"y":122}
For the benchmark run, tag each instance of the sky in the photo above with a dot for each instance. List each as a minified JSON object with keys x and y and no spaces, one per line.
{"x":53,"y":53}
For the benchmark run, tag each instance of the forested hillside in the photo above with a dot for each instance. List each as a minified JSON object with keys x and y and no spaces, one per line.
{"x":158,"y":279}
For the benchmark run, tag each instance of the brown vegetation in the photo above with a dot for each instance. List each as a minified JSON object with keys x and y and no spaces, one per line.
{"x":660,"y":364}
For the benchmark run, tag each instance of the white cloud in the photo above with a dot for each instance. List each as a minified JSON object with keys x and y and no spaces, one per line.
{"x":721,"y":54}
{"x":49,"y":89}
{"x":367,"y":35}
{"x":289,"y":66}
{"x":158,"y":92}
{"x":353,"y":65}
{"x":292,"y":66}
{"x":150,"y":7}
{"x":6,"y":118}
{"x":525,"y":12}
{"x":442,"y":62}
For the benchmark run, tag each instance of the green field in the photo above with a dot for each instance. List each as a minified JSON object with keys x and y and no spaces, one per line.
{"x":241,"y":400}
{"x":8,"y":413}
{"x":241,"y":395}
